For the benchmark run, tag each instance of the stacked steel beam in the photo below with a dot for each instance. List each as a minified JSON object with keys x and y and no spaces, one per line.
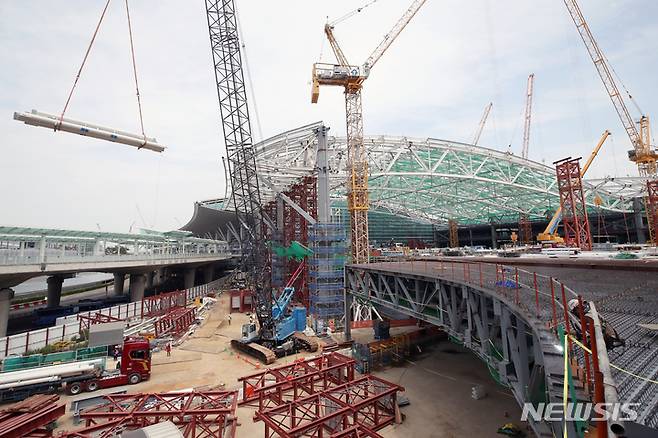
{"x":209,"y":414}
{"x":30,"y":417}
{"x":176,"y":322}
{"x":368,"y":402}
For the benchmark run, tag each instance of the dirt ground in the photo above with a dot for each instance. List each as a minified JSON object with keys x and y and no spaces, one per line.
{"x":438,"y":383}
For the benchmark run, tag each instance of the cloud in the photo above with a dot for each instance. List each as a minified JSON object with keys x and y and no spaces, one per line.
{"x":451,"y":60}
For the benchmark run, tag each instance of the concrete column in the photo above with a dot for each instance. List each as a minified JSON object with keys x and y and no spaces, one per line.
{"x":494,"y":243}
{"x":5,"y":301}
{"x":188,"y":278}
{"x":158,"y":276}
{"x":323,"y":176}
{"x":137,"y":283}
{"x":208,"y":274}
{"x":149,"y":280}
{"x":119,"y":282}
{"x":54,"y":291}
{"x":639,"y":221}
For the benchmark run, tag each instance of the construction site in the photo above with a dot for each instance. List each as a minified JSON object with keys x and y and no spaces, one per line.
{"x":346,"y":284}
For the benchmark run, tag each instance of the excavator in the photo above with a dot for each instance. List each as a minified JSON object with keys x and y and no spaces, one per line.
{"x":550,"y":236}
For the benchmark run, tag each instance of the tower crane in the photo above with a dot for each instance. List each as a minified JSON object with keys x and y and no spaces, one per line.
{"x":352,"y":77}
{"x":528,"y":115}
{"x":277,"y":329}
{"x":643,"y":153}
{"x":483,"y":122}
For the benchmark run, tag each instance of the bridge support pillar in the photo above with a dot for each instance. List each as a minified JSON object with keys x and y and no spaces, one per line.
{"x":208,"y":273}
{"x":137,"y":283}
{"x":5,"y":302}
{"x":158,"y":277}
{"x":188,"y":278}
{"x":119,"y":283}
{"x":149,"y":279}
{"x":54,"y":291}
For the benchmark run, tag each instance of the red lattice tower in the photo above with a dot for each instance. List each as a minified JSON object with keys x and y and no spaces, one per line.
{"x":652,"y":208}
{"x":454,"y":233}
{"x":525,"y":229}
{"x":572,"y":200}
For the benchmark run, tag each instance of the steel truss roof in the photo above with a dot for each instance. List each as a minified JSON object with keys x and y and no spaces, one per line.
{"x":433,"y":180}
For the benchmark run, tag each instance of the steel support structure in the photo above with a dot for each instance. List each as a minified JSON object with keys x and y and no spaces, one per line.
{"x":489,"y":310}
{"x":176,"y":322}
{"x":30,"y":416}
{"x":87,"y":320}
{"x":652,"y":209}
{"x":369,"y":402}
{"x":572,"y":200}
{"x":197,"y":414}
{"x":158,"y":305}
{"x":330,"y":368}
{"x":525,"y":229}
{"x":454,"y":233}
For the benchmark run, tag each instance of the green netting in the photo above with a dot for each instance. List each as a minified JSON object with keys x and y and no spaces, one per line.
{"x":295,"y":251}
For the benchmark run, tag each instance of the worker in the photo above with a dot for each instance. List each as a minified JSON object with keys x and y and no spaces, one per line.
{"x":115,"y":353}
{"x":168,"y":349}
{"x":228,"y":318}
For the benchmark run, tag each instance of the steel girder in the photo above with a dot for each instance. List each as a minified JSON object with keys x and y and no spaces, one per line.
{"x":429,"y":179}
{"x":515,"y":344}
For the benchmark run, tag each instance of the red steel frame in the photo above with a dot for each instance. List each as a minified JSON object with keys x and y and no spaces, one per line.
{"x":209,"y":414}
{"x":176,"y":322}
{"x":30,"y":416}
{"x":327,"y":368}
{"x":163,"y":303}
{"x":525,"y":229}
{"x":652,"y":208}
{"x":369,"y":402}
{"x":87,"y":321}
{"x":572,"y":200}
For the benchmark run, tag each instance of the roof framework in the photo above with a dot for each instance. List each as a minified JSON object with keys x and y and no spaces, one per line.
{"x":432,"y":180}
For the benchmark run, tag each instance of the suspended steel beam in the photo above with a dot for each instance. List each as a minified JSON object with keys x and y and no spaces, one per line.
{"x":36,"y":118}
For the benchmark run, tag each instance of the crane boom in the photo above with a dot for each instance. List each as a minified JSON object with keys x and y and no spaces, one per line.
{"x":240,"y":153}
{"x":335,"y":47}
{"x":640,"y":139}
{"x":483,"y":122}
{"x":528,"y":115}
{"x":393,"y":34}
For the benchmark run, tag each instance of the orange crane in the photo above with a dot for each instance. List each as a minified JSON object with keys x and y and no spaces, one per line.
{"x":352,"y":77}
{"x":528,"y":114}
{"x":643,"y":153}
{"x":483,"y":121}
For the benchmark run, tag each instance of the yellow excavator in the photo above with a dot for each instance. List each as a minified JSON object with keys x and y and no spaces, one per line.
{"x":549,"y":236}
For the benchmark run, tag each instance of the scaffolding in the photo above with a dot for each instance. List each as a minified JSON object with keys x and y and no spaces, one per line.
{"x":326,"y":271}
{"x":525,"y":228}
{"x":572,"y":200}
{"x":454,"y":234}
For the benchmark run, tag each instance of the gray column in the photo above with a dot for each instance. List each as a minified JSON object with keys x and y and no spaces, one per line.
{"x":323,"y":176}
{"x":494,"y":243}
{"x":188,"y":278}
{"x":638,"y":219}
{"x":348,"y":316}
{"x":5,"y":302}
{"x":54,"y":291}
{"x":119,"y":282}
{"x":149,"y":280}
{"x":208,"y":273}
{"x":159,"y":276}
{"x":137,"y":283}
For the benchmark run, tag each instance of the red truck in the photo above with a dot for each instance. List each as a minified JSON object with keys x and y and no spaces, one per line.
{"x":76,"y":377}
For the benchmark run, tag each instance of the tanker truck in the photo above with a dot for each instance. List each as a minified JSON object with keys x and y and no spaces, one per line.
{"x":76,"y":377}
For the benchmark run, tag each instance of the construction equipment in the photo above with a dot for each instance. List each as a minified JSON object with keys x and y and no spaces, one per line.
{"x":289,"y":325}
{"x":483,"y":121}
{"x":528,"y":115}
{"x":643,"y":153}
{"x":352,"y":77}
{"x":76,"y":377}
{"x":241,"y":162}
{"x":549,"y":235}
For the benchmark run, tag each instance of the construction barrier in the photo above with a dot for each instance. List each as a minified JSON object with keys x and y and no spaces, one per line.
{"x":70,"y":327}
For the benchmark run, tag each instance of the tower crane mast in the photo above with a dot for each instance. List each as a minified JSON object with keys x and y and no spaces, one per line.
{"x":642,"y":153}
{"x":351,"y":77}
{"x":528,"y":115}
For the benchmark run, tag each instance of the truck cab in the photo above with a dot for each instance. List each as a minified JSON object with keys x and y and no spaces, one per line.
{"x":136,"y":359}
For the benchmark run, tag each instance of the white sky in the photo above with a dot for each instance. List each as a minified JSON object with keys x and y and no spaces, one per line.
{"x":435,"y":80}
